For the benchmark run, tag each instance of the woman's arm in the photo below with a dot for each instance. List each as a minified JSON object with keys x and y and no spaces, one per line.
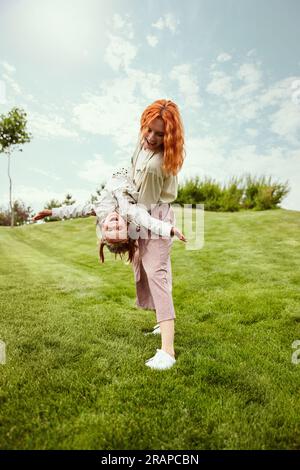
{"x":138,"y":215}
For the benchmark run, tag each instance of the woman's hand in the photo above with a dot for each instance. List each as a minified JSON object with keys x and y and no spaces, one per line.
{"x":42,"y":214}
{"x":178,"y":234}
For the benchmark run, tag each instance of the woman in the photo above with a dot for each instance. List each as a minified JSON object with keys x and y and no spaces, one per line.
{"x":155,"y":163}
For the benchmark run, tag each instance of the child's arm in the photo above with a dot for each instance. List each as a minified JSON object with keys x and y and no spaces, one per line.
{"x":74,"y":210}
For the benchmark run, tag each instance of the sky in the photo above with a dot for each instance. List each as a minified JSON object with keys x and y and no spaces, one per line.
{"x":84,"y":71}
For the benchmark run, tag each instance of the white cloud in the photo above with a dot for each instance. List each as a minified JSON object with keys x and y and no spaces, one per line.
{"x":242,"y":100}
{"x":108,"y":116}
{"x":284,"y":115}
{"x":8,"y":67}
{"x":10,"y":89}
{"x":12,"y":84}
{"x":97,"y":170}
{"x":45,"y":173}
{"x":251,"y":75}
{"x":224,"y":57}
{"x":119,"y":53}
{"x":205,"y":157}
{"x":252,"y":132}
{"x":223,"y":84}
{"x":187,"y":83}
{"x":152,"y":40}
{"x":50,"y":125}
{"x":251,"y":100}
{"x":122,"y":25}
{"x":168,"y":21}
{"x":251,"y":53}
{"x":220,"y":85}
{"x":116,"y":110}
{"x":286,"y":122}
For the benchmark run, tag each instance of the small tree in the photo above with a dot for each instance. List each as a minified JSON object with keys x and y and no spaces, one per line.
{"x":68,"y":200}
{"x":52,"y":203}
{"x":22,"y":214}
{"x":13,"y":133}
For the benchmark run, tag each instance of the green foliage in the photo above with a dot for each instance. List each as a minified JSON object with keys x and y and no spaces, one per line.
{"x":261,"y":193}
{"x":13,"y":134}
{"x":246,"y":192}
{"x":231,"y":195}
{"x":13,"y":130}
{"x":68,"y":201}
{"x":52,"y":203}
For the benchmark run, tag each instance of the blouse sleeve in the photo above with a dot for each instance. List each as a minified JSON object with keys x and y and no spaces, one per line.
{"x":105,"y":204}
{"x":74,"y":210}
{"x":139,"y":216}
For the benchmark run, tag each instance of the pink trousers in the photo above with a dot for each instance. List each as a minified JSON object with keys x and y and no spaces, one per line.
{"x":152,"y":269}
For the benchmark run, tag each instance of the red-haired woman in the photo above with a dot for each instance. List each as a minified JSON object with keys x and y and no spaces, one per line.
{"x":156,"y":162}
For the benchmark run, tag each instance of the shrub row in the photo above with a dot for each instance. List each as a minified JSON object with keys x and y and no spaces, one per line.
{"x":246,"y":192}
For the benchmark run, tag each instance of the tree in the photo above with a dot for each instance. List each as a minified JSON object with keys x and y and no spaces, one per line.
{"x":68,"y":200}
{"x":52,"y":203}
{"x":22,"y":214}
{"x":13,"y":134}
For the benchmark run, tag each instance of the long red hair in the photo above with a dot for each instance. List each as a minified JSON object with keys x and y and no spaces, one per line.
{"x":174,"y":152}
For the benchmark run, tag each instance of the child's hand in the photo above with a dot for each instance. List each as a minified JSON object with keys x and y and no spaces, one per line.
{"x":42,"y":214}
{"x":178,"y":234}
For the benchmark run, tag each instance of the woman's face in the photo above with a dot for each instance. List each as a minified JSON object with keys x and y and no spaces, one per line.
{"x":114,"y":228}
{"x":154,"y":135}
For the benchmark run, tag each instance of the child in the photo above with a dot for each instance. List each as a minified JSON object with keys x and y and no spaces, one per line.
{"x":119,"y":217}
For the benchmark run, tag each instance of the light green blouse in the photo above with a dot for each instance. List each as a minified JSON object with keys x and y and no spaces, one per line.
{"x":153,"y":185}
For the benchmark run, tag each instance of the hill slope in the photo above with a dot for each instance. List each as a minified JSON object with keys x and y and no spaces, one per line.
{"x":75,"y":375}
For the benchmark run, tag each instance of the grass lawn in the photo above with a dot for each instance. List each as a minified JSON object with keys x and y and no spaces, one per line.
{"x":75,"y":377}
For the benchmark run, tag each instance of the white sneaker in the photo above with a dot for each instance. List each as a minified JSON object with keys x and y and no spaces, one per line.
{"x":161,"y":360}
{"x":155,"y":331}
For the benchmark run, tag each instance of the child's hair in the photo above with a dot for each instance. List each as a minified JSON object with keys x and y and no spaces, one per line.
{"x":119,"y":249}
{"x":174,"y":152}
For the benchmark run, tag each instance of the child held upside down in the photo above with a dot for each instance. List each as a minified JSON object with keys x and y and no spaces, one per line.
{"x":119,"y":217}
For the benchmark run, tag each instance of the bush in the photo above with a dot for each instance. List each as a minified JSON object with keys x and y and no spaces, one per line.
{"x":262,"y":194}
{"x":246,"y":192}
{"x":231,"y":196}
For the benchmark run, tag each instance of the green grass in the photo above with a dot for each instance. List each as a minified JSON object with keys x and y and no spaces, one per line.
{"x":75,"y":376}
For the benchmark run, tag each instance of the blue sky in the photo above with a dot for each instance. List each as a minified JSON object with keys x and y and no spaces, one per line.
{"x":84,"y":70}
